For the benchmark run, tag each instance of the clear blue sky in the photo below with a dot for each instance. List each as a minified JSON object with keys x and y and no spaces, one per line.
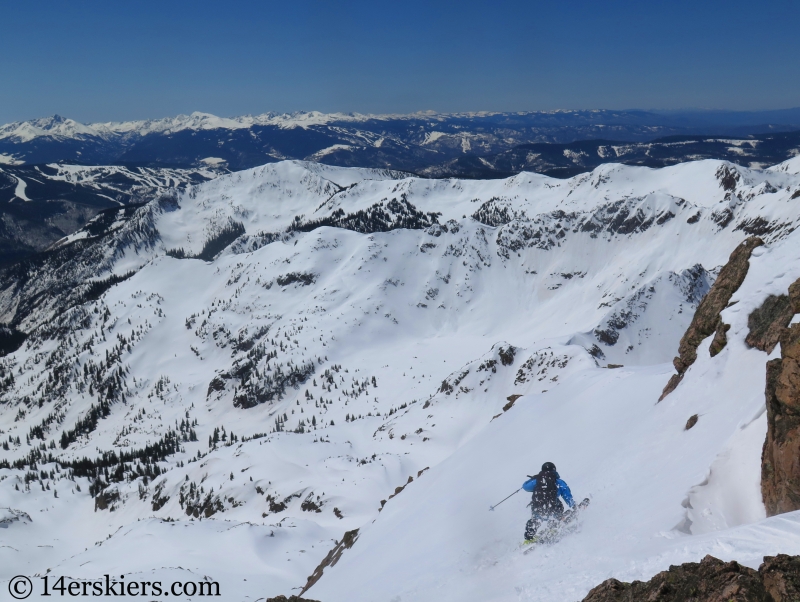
{"x":115,"y":60}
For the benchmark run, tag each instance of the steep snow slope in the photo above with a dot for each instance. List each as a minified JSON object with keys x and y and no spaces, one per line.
{"x":612,"y":442}
{"x":344,"y":330}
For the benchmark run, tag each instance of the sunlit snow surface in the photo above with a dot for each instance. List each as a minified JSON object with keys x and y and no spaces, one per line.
{"x":430,"y":314}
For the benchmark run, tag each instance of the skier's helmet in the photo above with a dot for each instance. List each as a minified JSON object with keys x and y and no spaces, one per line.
{"x":548,"y":467}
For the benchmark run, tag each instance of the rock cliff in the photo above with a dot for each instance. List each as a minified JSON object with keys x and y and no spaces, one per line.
{"x":780,"y":459}
{"x":706,"y":320}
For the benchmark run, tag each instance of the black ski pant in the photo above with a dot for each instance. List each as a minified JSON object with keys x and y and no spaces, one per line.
{"x":540,"y":516}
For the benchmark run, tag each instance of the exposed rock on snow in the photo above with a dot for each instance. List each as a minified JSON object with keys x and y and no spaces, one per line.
{"x":781,"y":577}
{"x":780,"y":469}
{"x":107,"y":500}
{"x":710,"y":580}
{"x":768,"y":322}
{"x":331,"y":559}
{"x":9,"y":516}
{"x":706,"y":319}
{"x":720,"y":339}
{"x":511,"y":400}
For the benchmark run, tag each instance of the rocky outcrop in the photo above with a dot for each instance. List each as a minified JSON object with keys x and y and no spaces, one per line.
{"x":9,"y":516}
{"x":512,"y":399}
{"x":710,"y":580}
{"x":781,"y":577}
{"x":768,"y":322}
{"x":106,"y":500}
{"x":706,"y":320}
{"x":780,"y":459}
{"x":720,"y":338}
{"x":330,"y":560}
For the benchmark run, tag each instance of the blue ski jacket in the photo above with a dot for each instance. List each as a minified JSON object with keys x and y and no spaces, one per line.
{"x":563,"y":490}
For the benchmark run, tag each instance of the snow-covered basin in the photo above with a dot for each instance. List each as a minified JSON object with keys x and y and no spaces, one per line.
{"x":612,"y":442}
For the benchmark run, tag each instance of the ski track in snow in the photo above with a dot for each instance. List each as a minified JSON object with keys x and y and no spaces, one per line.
{"x":19,"y":191}
{"x":449,"y":320}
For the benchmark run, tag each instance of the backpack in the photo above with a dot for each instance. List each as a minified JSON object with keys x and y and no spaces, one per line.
{"x":545,"y":493}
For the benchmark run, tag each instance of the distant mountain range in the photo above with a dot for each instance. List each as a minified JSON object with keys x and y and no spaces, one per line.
{"x":56,"y":173}
{"x":422,"y":143}
{"x":567,"y":160}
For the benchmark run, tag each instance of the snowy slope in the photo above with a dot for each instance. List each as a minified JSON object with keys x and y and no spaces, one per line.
{"x":347,"y":330}
{"x":612,"y":442}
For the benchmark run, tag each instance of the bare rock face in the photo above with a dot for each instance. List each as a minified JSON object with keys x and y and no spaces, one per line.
{"x":706,"y":320}
{"x":710,"y":580}
{"x":781,"y":577}
{"x":768,"y":322}
{"x":780,"y":459}
{"x":720,"y":338}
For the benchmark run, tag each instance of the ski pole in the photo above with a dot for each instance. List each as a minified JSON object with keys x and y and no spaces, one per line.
{"x":503,"y":500}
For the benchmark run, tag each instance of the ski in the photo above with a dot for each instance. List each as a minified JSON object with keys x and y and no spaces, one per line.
{"x":552,"y":531}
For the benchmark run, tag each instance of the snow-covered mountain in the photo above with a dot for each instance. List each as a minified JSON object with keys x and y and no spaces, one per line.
{"x":133,"y":161}
{"x":44,"y":203}
{"x":240,"y":373}
{"x":426,"y":142}
{"x":58,"y":127}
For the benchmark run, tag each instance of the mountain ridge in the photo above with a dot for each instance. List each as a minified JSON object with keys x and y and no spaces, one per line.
{"x":57,"y":125}
{"x":409,"y":142}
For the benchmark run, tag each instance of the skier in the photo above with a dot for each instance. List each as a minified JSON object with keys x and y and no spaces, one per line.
{"x":546,"y":488}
